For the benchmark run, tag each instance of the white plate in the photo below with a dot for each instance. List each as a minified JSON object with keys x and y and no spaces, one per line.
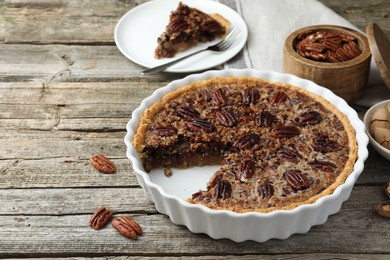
{"x":169,"y":194}
{"x":137,"y":31}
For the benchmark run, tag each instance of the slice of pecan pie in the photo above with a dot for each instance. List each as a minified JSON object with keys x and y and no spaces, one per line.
{"x":187,"y":27}
{"x":279,"y":146}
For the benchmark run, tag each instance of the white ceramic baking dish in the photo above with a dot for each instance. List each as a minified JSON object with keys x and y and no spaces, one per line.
{"x":169,"y":194}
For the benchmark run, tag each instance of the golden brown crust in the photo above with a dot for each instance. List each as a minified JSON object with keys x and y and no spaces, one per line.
{"x":147,"y":119}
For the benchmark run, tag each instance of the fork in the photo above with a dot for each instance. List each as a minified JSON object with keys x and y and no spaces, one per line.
{"x":222,"y":45}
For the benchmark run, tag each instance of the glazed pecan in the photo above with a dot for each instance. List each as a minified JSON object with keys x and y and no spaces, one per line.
{"x":265,"y":190}
{"x":309,"y":118}
{"x":250,"y":96}
{"x":265,"y":119}
{"x":278,"y":98}
{"x":246,"y":170}
{"x":296,"y":179}
{"x":285,"y":131}
{"x":187,"y":112}
{"x":289,"y":155}
{"x":212,"y":26}
{"x":127,"y":227}
{"x":102,"y":164}
{"x":325,"y":145}
{"x":222,"y":189}
{"x":199,"y":124}
{"x":177,"y":25}
{"x":247,"y":141}
{"x":100,"y":218}
{"x":219,"y":98}
{"x":322,"y":165}
{"x":226,"y":117}
{"x":165,"y":130}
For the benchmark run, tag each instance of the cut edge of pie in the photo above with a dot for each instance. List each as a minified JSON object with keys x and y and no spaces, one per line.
{"x":186,"y":28}
{"x":147,"y":119}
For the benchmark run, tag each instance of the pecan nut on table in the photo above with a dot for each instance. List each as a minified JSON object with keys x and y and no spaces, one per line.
{"x":100,"y":218}
{"x":127,"y":227}
{"x":102,"y":164}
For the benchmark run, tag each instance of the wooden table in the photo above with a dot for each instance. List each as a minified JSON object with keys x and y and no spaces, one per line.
{"x":66,"y":93}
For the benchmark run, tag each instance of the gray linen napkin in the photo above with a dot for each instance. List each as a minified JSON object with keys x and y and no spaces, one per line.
{"x":271,"y":21}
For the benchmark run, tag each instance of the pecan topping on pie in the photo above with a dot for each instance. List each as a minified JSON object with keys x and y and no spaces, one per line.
{"x":279,"y":146}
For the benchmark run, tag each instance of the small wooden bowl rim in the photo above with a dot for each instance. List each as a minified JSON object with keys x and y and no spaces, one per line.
{"x":362,"y":40}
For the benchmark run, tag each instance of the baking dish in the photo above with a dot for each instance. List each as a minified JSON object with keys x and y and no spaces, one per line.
{"x":169,"y":194}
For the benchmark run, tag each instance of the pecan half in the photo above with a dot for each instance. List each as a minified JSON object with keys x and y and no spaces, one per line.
{"x":322,"y":165}
{"x":278,"y":98}
{"x":165,"y":130}
{"x":246,"y":170}
{"x":102,"y":164}
{"x":200,"y":124}
{"x":250,"y":96}
{"x":289,"y":155}
{"x":187,"y":112}
{"x":265,"y":190}
{"x":247,"y":141}
{"x":383,"y":209}
{"x":212,"y":26}
{"x":296,"y":179}
{"x":265,"y":119}
{"x":222,"y":189}
{"x":177,"y":25}
{"x":285,"y":131}
{"x":325,"y":145}
{"x":309,"y":118}
{"x":226,"y":117}
{"x":100,"y":218}
{"x":219,"y":98}
{"x":127,"y":227}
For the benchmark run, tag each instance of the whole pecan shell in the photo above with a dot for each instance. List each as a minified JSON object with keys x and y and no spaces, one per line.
{"x":102,"y":164}
{"x":127,"y":227}
{"x":100,"y":218}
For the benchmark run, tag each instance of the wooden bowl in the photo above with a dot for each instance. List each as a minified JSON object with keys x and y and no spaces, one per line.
{"x":346,"y":79}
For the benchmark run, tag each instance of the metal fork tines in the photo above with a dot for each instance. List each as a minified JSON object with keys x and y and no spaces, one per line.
{"x":222,"y":45}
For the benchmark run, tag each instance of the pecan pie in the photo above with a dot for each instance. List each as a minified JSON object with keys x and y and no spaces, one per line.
{"x":279,"y":146}
{"x":187,"y":27}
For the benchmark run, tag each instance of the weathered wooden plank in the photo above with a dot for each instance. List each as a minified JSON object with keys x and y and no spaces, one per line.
{"x":47,"y":63}
{"x":355,"y":229}
{"x":361,"y":13}
{"x":63,"y":172}
{"x":78,"y":21}
{"x":319,"y":256}
{"x":61,"y":21}
{"x":71,"y":201}
{"x":67,"y":201}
